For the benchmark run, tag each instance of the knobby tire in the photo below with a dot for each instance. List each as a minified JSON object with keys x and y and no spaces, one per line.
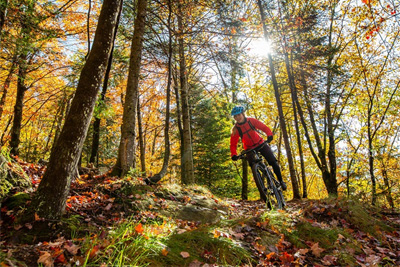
{"x":259,"y":178}
{"x":276,"y":190}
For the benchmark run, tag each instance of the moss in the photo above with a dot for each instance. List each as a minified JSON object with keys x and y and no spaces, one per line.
{"x":17,"y":201}
{"x":305,"y":231}
{"x":359,"y":216}
{"x":11,"y":176}
{"x":346,"y":259}
{"x":6,"y":260}
{"x":203,"y":247}
{"x":74,"y":226}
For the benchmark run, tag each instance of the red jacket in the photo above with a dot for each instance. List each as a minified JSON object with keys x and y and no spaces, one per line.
{"x":250,"y":137}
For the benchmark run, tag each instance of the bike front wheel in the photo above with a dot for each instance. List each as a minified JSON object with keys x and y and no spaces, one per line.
{"x":259,"y":177}
{"x":276,"y":189}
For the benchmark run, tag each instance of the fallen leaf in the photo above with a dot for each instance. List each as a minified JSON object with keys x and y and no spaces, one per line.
{"x":17,"y":227}
{"x":271,"y":255}
{"x":46,"y":259}
{"x":341,"y":237}
{"x":164,"y":251}
{"x":302,"y":251}
{"x":185,"y":254}
{"x":139,"y":228}
{"x":316,"y":250}
{"x":195,"y":263}
{"x":93,"y":252}
{"x":373,"y":260}
{"x":71,"y":248}
{"x":61,"y":259}
{"x":286,"y":258}
{"x":239,"y":236}
{"x":329,"y":260}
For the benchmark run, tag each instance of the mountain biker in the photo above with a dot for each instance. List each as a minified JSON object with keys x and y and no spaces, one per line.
{"x":246,"y":129}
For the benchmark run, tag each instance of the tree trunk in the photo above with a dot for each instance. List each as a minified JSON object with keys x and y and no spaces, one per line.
{"x":301,"y":155}
{"x":245,"y":179}
{"x":3,"y":8}
{"x":296,"y":121}
{"x":179,"y":123}
{"x":50,"y":199}
{"x":282,"y":121}
{"x":371,"y":161}
{"x":5,"y":131}
{"x":187,"y":177}
{"x":332,"y":182}
{"x":6,"y":85}
{"x":292,"y":86}
{"x":142,"y":146}
{"x":388,"y":191}
{"x":329,"y":180}
{"x":97,"y":122}
{"x":19,"y":104}
{"x":57,"y":122}
{"x":161,"y":174}
{"x":127,"y":146}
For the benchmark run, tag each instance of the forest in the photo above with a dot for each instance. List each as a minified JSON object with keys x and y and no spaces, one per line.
{"x":142,"y":91}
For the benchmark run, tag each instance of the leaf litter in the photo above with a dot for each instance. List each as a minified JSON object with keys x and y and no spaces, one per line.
{"x":97,"y":203}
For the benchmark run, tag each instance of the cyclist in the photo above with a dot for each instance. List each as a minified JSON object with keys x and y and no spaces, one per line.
{"x":246,"y":129}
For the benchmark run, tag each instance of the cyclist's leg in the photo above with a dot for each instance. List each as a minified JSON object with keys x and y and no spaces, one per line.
{"x":250,"y":158}
{"x":271,"y":159}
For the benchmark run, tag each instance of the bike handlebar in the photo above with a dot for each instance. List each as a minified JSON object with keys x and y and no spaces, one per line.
{"x":244,"y":153}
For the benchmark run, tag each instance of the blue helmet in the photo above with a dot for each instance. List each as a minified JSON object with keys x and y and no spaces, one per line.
{"x":237,"y":110}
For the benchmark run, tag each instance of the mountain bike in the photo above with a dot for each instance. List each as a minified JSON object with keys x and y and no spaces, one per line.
{"x":268,"y":186}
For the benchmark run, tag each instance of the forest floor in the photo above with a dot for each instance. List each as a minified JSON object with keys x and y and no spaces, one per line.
{"x":123,"y":222}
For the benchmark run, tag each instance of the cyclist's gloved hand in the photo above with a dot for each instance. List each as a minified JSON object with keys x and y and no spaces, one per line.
{"x":269,"y":139}
{"x":235,"y":157}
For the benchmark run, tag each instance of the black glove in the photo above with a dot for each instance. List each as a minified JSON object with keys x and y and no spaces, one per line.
{"x":269,"y":139}
{"x":235,"y":157}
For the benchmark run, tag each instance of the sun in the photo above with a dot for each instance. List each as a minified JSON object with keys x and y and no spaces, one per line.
{"x":260,"y":48}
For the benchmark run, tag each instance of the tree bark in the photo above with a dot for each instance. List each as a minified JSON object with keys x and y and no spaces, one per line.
{"x":3,"y":9}
{"x":19,"y":104}
{"x":292,"y":85}
{"x":282,"y":121}
{"x":142,"y":146}
{"x":187,"y":176}
{"x":156,"y":178}
{"x":127,"y":146}
{"x":50,"y":199}
{"x":179,"y":120}
{"x":245,"y":179}
{"x":97,"y":122}
{"x":6,"y":85}
{"x":388,"y":191}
